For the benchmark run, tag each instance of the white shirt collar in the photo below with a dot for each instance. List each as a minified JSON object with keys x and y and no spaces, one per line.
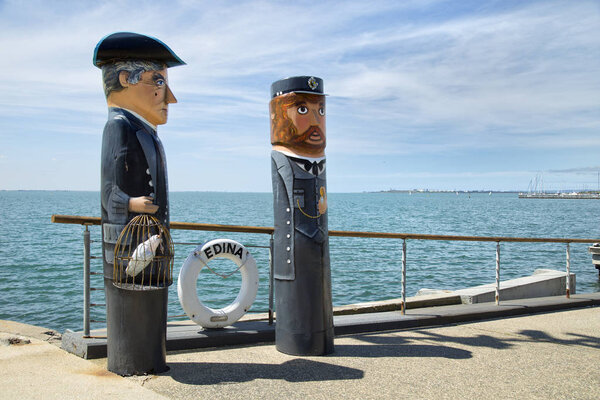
{"x":138,"y":116}
{"x":311,"y":159}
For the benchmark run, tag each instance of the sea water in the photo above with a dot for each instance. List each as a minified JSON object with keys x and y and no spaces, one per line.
{"x":41,"y":273}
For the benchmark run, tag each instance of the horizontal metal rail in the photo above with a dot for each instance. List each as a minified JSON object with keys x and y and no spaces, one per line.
{"x":80,"y":220}
{"x":87,"y":221}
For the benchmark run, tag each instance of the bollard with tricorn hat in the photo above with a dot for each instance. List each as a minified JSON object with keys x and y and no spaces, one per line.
{"x":136,"y":245}
{"x":304,"y":314}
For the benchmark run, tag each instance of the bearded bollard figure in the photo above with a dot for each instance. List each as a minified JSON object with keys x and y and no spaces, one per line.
{"x":304,"y":314}
{"x":134,"y":182}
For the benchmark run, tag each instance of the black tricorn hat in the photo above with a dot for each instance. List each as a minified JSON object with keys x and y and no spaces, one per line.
{"x":297,"y":84}
{"x":123,"y":46}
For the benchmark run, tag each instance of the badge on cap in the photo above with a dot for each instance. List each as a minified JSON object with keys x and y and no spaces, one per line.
{"x":312,"y":83}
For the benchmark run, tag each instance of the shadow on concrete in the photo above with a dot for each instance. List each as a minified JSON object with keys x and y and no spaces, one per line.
{"x":401,"y":350}
{"x":412,"y":341}
{"x":580,"y":340}
{"x":527,"y":336}
{"x":297,"y":370}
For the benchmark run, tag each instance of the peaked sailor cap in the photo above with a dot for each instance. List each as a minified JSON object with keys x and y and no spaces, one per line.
{"x":297,"y":84}
{"x":121,"y":46}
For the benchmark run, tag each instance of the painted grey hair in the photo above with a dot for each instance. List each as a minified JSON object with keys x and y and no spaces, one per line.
{"x":110,"y":73}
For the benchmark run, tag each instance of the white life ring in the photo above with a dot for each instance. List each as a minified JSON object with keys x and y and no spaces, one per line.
{"x":188,"y":277}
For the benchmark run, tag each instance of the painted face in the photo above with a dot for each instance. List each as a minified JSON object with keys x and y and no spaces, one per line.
{"x":298,"y":123}
{"x":151,"y":96}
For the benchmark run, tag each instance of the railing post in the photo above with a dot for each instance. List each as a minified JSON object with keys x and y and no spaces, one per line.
{"x":568,"y":271}
{"x":497,"y":273}
{"x":403,"y":302}
{"x":86,"y":282}
{"x":271,"y":280}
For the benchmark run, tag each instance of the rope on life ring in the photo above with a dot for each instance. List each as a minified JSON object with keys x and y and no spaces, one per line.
{"x":188,"y":276}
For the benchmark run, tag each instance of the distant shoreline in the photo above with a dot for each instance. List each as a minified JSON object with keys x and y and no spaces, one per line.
{"x":445,"y":191}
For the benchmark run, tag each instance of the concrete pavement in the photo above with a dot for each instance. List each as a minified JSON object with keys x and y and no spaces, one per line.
{"x":34,"y":367}
{"x":547,"y":356}
{"x":543,"y":356}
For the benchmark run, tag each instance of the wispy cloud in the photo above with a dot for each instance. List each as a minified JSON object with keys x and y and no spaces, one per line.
{"x":581,"y":170}
{"x":449,"y":175}
{"x":420,"y":80}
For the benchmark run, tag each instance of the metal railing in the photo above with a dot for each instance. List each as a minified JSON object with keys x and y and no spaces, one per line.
{"x":88,"y":221}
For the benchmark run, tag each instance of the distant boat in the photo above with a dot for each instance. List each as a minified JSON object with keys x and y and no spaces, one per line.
{"x":490,"y":193}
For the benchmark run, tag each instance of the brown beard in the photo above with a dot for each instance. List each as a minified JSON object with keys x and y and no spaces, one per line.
{"x":301,"y":143}
{"x":297,"y":140}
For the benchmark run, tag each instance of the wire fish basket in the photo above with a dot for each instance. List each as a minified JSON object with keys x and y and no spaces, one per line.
{"x":143,"y":255}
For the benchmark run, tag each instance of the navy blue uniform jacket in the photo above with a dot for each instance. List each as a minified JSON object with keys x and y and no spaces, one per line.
{"x":133,"y":164}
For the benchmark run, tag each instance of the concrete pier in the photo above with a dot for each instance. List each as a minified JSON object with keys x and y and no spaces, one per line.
{"x":553,"y":354}
{"x":543,"y":282}
{"x":185,"y":335}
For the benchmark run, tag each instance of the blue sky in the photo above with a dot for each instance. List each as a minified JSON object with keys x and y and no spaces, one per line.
{"x":452,"y":95}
